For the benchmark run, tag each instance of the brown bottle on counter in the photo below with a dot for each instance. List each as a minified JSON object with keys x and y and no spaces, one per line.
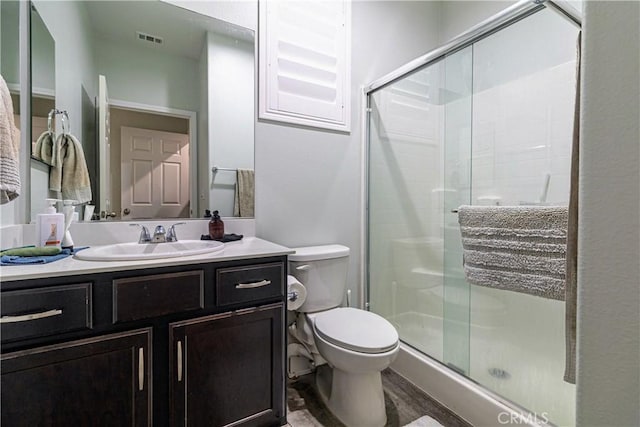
{"x":216,"y":227}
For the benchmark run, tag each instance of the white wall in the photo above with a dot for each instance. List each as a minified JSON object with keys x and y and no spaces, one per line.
{"x":609,"y":254}
{"x":308,"y":185}
{"x":69,"y":25}
{"x":9,"y":61}
{"x":231,"y":119}
{"x":42,"y":57}
{"x":243,"y":13}
{"x":203,"y":132}
{"x":458,"y":16}
{"x":146,"y":76}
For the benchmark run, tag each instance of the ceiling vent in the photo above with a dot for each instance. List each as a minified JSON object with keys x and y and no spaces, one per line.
{"x":149,"y":38}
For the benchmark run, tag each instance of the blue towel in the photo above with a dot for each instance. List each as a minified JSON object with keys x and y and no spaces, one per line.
{"x":26,"y":260}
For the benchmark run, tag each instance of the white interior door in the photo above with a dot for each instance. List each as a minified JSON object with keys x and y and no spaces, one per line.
{"x":155,"y":174}
{"x":104,"y":150}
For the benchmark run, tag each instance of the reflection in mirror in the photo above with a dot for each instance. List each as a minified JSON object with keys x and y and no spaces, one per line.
{"x":176,"y":99}
{"x":43,"y":85}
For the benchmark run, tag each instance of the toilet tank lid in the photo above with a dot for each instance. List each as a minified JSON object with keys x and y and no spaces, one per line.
{"x":314,"y":253}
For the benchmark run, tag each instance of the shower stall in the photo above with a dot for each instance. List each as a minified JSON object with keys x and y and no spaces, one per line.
{"x":484,"y":120}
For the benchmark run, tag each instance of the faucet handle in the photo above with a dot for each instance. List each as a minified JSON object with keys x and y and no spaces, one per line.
{"x":145,"y":237}
{"x":171,"y":234}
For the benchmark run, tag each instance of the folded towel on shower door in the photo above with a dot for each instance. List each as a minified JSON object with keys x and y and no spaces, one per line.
{"x":9,"y":148}
{"x":69,"y":174}
{"x":245,"y":189}
{"x":516,"y":248}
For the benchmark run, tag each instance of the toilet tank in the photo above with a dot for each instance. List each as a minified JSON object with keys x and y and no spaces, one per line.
{"x":323,"y":272}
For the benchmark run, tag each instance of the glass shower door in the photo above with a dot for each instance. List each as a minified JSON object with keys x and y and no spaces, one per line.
{"x":489,"y":124}
{"x":405,"y":234}
{"x":523,"y":105}
{"x":458,"y":84}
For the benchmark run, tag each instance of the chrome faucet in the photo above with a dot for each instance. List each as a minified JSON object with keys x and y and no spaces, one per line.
{"x":171,"y":234}
{"x":159,"y":235}
{"x":145,"y":237}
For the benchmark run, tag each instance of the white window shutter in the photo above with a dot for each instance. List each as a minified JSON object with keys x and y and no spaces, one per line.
{"x":304,"y":57}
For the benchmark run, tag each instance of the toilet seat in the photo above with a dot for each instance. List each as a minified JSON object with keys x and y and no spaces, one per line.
{"x":356,"y":330}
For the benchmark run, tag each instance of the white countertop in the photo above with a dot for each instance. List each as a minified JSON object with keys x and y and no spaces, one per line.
{"x":249,"y":247}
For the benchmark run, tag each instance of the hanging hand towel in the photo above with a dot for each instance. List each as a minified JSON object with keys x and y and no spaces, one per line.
{"x":244,"y":200}
{"x":516,"y":248}
{"x":70,"y":175}
{"x":9,"y":148}
{"x":44,"y":148}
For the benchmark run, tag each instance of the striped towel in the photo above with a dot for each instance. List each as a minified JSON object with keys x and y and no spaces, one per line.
{"x":517,"y":248}
{"x":10,"y":186}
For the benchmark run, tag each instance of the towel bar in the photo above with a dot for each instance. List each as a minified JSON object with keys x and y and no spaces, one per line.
{"x":216,"y":169}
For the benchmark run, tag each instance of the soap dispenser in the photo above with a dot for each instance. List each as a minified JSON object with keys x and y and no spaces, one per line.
{"x":216,"y":227}
{"x":68,"y":210}
{"x":50,"y":226}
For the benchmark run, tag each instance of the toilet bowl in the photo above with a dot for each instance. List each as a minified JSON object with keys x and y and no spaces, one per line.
{"x":356,"y":344}
{"x":357,"y":353}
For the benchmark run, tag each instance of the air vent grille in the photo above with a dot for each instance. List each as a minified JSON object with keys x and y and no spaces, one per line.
{"x":149,"y":38}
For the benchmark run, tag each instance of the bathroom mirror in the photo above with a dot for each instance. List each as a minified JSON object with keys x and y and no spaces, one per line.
{"x":158,"y":96}
{"x":43,"y":100}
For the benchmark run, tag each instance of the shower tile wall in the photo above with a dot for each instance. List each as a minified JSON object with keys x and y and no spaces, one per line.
{"x":523,"y":97}
{"x":522,"y":132}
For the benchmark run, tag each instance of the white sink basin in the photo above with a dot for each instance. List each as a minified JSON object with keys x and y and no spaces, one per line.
{"x":141,"y":251}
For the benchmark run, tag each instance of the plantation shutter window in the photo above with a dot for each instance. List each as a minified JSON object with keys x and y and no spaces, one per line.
{"x":305,"y":62}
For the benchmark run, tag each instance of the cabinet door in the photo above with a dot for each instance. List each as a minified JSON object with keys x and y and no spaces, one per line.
{"x":228,"y":369}
{"x":101,"y":381}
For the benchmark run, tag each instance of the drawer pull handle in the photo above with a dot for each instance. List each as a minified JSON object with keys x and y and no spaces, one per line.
{"x":32,"y":316}
{"x":252,"y":285}
{"x":141,"y":369}
{"x":179,"y":361}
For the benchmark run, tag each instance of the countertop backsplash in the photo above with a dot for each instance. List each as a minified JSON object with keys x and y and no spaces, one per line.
{"x":109,"y":232}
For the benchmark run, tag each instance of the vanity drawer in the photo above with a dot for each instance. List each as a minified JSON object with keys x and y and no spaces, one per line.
{"x":249,"y":283}
{"x":157,"y":295}
{"x":45,"y":311}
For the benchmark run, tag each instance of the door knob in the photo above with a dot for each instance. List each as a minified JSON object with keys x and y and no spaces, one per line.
{"x":126,"y":211}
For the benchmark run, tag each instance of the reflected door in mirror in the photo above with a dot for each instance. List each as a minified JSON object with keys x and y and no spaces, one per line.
{"x":155,"y":174}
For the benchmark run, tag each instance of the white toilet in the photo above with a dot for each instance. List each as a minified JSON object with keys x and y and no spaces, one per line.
{"x":356,"y":344}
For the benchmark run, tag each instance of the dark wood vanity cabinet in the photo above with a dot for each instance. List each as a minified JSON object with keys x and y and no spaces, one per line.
{"x":101,"y":381}
{"x":226,"y":368}
{"x":195,"y":345}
